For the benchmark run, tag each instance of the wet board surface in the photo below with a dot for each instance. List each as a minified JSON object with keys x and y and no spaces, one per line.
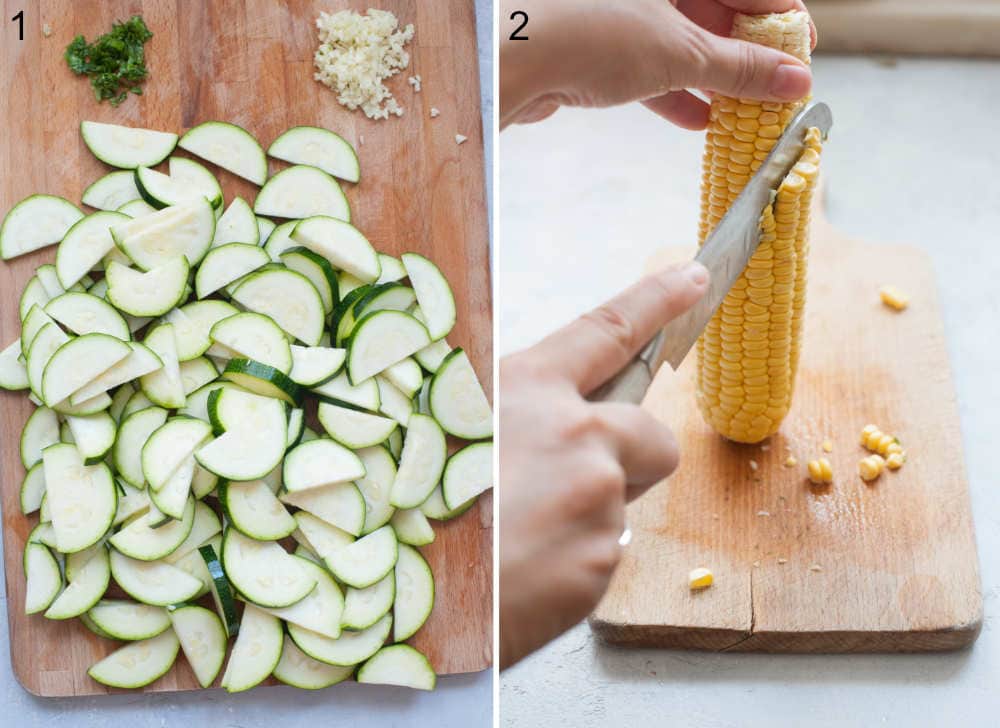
{"x":889,"y":566}
{"x":250,"y":62}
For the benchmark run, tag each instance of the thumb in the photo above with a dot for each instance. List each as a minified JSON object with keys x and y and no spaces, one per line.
{"x":746,"y":70}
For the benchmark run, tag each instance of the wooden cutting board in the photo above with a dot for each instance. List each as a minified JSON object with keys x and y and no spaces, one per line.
{"x":250,"y":62}
{"x":889,"y":566}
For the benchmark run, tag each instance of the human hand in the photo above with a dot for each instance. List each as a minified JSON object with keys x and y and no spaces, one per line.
{"x":568,"y":466}
{"x":599,"y":53}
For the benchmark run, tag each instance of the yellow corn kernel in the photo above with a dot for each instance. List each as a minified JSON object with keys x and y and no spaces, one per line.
{"x":867,"y":432}
{"x":748,"y":353}
{"x":893,"y":297}
{"x":820,"y":471}
{"x":873,"y":439}
{"x":894,"y":448}
{"x":790,"y":461}
{"x":700,"y":578}
{"x":827,"y":446}
{"x":895,"y":460}
{"x":871,"y":467}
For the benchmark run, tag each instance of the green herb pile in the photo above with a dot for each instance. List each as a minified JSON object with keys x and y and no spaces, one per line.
{"x":115,"y":62}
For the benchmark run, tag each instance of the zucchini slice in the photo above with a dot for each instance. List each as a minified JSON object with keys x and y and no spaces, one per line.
{"x":13,"y":372}
{"x":394,"y":403}
{"x":134,"y":209}
{"x":132,"y":502}
{"x":288,"y":298}
{"x":121,"y":619}
{"x":228,"y":146}
{"x":457,"y":400}
{"x":140,"y":360}
{"x":164,"y":386}
{"x":321,"y":609}
{"x":354,"y":428}
{"x":160,"y":190}
{"x":296,"y":428}
{"x":152,"y":293}
{"x":225,"y":264}
{"x":320,"y":462}
{"x":196,"y":373}
{"x":142,"y":540}
{"x":256,"y":652}
{"x":77,"y":363}
{"x":435,"y":507}
{"x":133,"y":432}
{"x":364,"y":607}
{"x":254,"y":441}
{"x":406,"y":376}
{"x":222,"y":590}
{"x":254,"y":336}
{"x":192,"y":325}
{"x":382,"y":339}
{"x":376,"y":486}
{"x":43,"y":345}
{"x":172,"y":498}
{"x":35,"y":222}
{"x":299,"y":670}
{"x":414,"y":593}
{"x":314,"y":365}
{"x":340,"y":243}
{"x":206,"y":525}
{"x":340,"y":391}
{"x":203,"y":640}
{"x":83,"y":498}
{"x":340,"y":505}
{"x":50,"y":279}
{"x":253,"y":509}
{"x":412,"y":527}
{"x":348,"y":649}
{"x":237,"y":225}
{"x":320,"y":537}
{"x":125,"y":146}
{"x":83,"y":314}
{"x":89,"y":573}
{"x":320,"y":148}
{"x":169,"y":446}
{"x":43,"y":578}
{"x":365,"y":561}
{"x":194,"y":176}
{"x":468,"y":473}
{"x":152,"y":240}
{"x":33,"y":295}
{"x":264,"y":228}
{"x":421,"y":464}
{"x":153,"y":582}
{"x":302,"y":191}
{"x":137,"y":664}
{"x":264,"y":572}
{"x":399,"y":665}
{"x":93,"y":435}
{"x":40,"y":431}
{"x":280,"y":240}
{"x":392,"y":269}
{"x":32,"y":489}
{"x":85,"y":245}
{"x":111,"y":191}
{"x":319,"y":272}
{"x":437,"y":302}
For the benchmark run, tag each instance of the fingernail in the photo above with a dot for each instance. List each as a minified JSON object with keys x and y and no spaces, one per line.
{"x":790,"y":82}
{"x":696,"y":273}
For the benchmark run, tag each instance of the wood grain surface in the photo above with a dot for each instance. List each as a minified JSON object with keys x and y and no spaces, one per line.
{"x":250,"y":62}
{"x":888,"y":566}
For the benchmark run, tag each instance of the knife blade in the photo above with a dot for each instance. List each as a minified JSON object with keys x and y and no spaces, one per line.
{"x":725,"y":254}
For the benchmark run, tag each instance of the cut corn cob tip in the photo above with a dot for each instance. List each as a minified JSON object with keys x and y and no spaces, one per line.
{"x":893,"y":297}
{"x":700,"y":578}
{"x":820,"y":471}
{"x":788,"y":32}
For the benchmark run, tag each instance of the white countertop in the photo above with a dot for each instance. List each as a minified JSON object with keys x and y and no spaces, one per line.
{"x":461,"y":701}
{"x":586,"y":196}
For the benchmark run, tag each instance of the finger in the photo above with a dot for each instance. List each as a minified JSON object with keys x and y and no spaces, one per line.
{"x":681,"y":108}
{"x":646,"y":448}
{"x":590,"y":350}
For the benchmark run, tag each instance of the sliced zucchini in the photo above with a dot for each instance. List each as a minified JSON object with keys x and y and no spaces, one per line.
{"x":196,"y":373}
{"x":85,"y":245}
{"x":304,"y":552}
{"x":143,"y":540}
{"x":152,"y":240}
{"x":280,"y":240}
{"x":299,"y":670}
{"x":321,"y":537}
{"x":288,"y":298}
{"x":169,"y":446}
{"x":411,"y":527}
{"x":364,"y":607}
{"x":132,"y":502}
{"x":264,"y":572}
{"x":50,"y":280}
{"x":172,"y":498}
{"x":421,"y":464}
{"x":340,"y":243}
{"x":93,"y":435}
{"x":77,"y":363}
{"x":89,"y":573}
{"x":406,"y":376}
{"x":394,"y":403}
{"x":192,"y":325}
{"x":134,"y":209}
{"x":301,"y":191}
{"x":153,"y":582}
{"x":437,"y":302}
{"x":382,"y":339}
{"x":197,"y":401}
{"x":468,"y":473}
{"x":376,"y":486}
{"x":264,"y":229}
{"x":228,"y":146}
{"x":354,"y":428}
{"x":255,"y":336}
{"x":160,"y":190}
{"x":111,"y":191}
{"x":83,"y":498}
{"x":33,"y":295}
{"x":43,"y":533}
{"x":83,"y":313}
{"x":202,"y":638}
{"x":256,"y":652}
{"x":253,"y":509}
{"x":399,"y":665}
{"x":237,"y":225}
{"x":348,"y":649}
{"x":339,"y":390}
{"x":296,"y":426}
{"x":222,"y":590}
{"x":35,"y":222}
{"x":194,"y":176}
{"x":121,"y":619}
{"x":315,"y":365}
{"x":457,"y":400}
{"x":319,"y":272}
{"x":205,"y":526}
{"x":435,"y":507}
{"x":140,"y":361}
{"x":133,"y":433}
{"x":414,"y":593}
{"x":148,"y":294}
{"x":193,"y":564}
{"x":254,"y":441}
{"x":125,"y":146}
{"x":13,"y":372}
{"x":365,"y":561}
{"x":44,"y":344}
{"x":40,"y":430}
{"x":203,"y":483}
{"x":392,"y":269}
{"x":395,"y":444}
{"x":347,"y":283}
{"x":164,"y":386}
{"x":137,"y":664}
{"x":32,"y":489}
{"x":225,"y":264}
{"x":318,"y":463}
{"x":43,"y":578}
{"x":321,"y":609}
{"x":340,"y":505}
{"x":320,"y":148}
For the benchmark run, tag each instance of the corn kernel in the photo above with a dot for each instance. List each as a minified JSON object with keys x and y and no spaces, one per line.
{"x":790,"y":461}
{"x":827,"y":446}
{"x":871,"y":467}
{"x":820,"y":471}
{"x":895,"y":460}
{"x":700,"y":578}
{"x":893,"y":297}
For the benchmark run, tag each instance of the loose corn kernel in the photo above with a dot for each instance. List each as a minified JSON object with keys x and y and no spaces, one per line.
{"x":820,"y":471}
{"x":867,"y":432}
{"x":700,"y":578}
{"x":827,"y":446}
{"x":893,"y":297}
{"x":894,"y":448}
{"x":871,"y":467}
{"x":872,"y":438}
{"x":791,"y":461}
{"x":895,"y":460}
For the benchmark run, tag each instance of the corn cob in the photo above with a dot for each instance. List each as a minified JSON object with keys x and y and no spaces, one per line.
{"x":749,"y":352}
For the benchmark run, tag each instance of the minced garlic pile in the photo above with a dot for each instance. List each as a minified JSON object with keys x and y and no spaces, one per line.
{"x":357,"y":53}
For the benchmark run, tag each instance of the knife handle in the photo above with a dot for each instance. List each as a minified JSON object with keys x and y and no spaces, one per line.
{"x":628,"y":386}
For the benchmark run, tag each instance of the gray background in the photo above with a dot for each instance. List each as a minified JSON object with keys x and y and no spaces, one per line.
{"x":587,"y":196}
{"x":462,"y":701}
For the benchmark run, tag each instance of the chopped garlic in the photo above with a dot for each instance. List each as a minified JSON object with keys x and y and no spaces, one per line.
{"x":361,"y":140}
{"x":763,"y":513}
{"x":790,"y":461}
{"x":815,"y":567}
{"x":415,"y":82}
{"x":700,"y":578}
{"x":46,"y":30}
{"x":460,"y":139}
{"x":782,"y":561}
{"x":435,"y":113}
{"x":753,"y":465}
{"x":765,"y":447}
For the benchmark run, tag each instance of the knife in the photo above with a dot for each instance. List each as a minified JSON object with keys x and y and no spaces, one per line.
{"x":725,"y":254}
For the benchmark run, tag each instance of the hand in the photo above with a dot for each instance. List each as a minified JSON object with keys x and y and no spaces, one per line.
{"x":600,"y":53}
{"x":568,"y":466}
